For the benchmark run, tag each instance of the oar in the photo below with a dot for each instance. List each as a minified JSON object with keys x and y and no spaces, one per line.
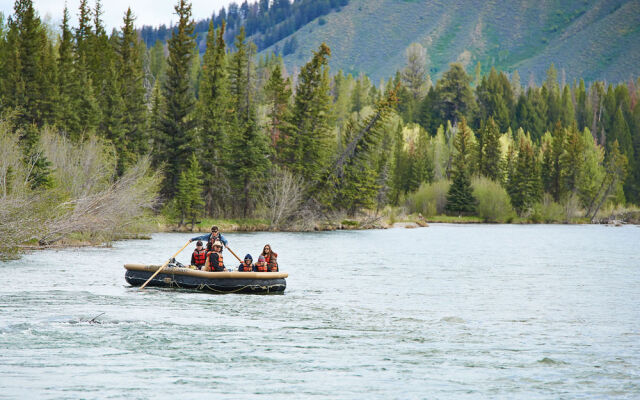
{"x":234,"y":255}
{"x":164,"y":265}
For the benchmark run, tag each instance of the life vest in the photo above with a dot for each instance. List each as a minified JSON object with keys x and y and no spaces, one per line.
{"x":200,"y":257}
{"x":274,"y":267}
{"x":220,"y":266}
{"x":245,"y":268}
{"x":261,"y":268}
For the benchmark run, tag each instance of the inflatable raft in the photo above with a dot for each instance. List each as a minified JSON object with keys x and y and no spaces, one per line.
{"x":218,"y":282}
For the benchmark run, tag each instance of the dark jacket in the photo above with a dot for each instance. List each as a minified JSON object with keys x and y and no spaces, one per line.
{"x":213,"y":262}
{"x":207,"y":237}
{"x":241,"y":268}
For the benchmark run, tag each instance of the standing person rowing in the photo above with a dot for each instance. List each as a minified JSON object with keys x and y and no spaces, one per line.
{"x":210,"y":238}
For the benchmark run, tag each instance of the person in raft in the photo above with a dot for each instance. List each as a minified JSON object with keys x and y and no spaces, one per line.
{"x":215,"y":263}
{"x":261,"y":265}
{"x":271,"y":258}
{"x":210,"y":238}
{"x":199,"y":256}
{"x":247,"y":265}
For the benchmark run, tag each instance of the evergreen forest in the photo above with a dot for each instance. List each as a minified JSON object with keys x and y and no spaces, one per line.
{"x":99,"y":133}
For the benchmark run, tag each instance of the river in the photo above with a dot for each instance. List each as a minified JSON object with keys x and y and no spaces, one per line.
{"x":449,"y":311}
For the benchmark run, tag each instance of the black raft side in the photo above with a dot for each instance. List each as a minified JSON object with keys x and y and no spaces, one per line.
{"x":227,"y":285}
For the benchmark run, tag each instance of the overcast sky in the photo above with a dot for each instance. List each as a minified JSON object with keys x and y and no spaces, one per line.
{"x":147,"y":12}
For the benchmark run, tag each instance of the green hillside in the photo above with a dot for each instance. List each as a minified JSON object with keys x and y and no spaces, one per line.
{"x":591,"y":39}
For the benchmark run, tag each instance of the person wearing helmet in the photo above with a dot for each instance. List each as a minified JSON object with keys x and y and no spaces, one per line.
{"x":215,"y":262}
{"x":247,"y":265}
{"x":212,"y":237}
{"x":199,"y":256}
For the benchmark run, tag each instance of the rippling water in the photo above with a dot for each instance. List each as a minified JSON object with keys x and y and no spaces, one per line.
{"x":445,"y":312}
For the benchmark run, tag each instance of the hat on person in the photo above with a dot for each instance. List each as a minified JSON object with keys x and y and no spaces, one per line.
{"x":248,"y":257}
{"x":199,"y":243}
{"x":216,"y":243}
{"x":261,"y":259}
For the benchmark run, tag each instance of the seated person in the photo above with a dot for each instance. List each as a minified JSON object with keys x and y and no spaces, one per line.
{"x":199,"y":256}
{"x":261,"y":265}
{"x":271,"y":258}
{"x":247,"y":265}
{"x":215,"y":262}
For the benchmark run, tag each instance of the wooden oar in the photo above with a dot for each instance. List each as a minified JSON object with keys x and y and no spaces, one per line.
{"x":234,"y":255}
{"x":164,"y":265}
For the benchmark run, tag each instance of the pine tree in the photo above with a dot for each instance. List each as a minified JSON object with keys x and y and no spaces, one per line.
{"x":460,"y":197}
{"x":491,"y":152}
{"x":239,"y":77}
{"x":525,"y":187}
{"x":215,"y":119}
{"x":567,"y":111}
{"x":248,"y":163}
{"x":558,"y":171}
{"x":307,"y":145}
{"x":129,"y":66}
{"x":414,"y":74}
{"x":112,"y":123}
{"x":454,"y":94}
{"x":29,"y":93}
{"x":178,"y":123}
{"x":398,"y":179}
{"x":572,"y":159}
{"x":352,"y":181}
{"x":188,"y":198}
{"x":67,"y":118}
{"x":278,"y":96}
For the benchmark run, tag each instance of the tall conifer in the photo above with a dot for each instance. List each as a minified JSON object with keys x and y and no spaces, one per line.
{"x":460,"y":197}
{"x":178,"y":123}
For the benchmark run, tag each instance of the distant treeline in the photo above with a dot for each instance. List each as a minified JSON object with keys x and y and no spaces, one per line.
{"x":234,"y":135}
{"x":265,"y":21}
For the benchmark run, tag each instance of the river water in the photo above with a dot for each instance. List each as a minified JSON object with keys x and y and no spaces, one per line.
{"x":449,"y":311}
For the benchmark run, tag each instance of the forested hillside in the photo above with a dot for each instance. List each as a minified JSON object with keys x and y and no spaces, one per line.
{"x":99,"y":132}
{"x":589,"y":39}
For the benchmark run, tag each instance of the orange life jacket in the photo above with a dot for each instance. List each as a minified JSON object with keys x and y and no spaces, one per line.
{"x":272,"y":267}
{"x":261,"y":267}
{"x":245,"y":268}
{"x":200,"y":257}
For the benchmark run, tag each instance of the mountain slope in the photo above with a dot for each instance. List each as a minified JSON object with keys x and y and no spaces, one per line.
{"x":591,"y":39}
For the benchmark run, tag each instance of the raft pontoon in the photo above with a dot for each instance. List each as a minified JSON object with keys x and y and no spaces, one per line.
{"x":218,"y":282}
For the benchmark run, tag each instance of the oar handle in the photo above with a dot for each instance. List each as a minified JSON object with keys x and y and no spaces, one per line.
{"x":164,"y":265}
{"x":234,"y":254}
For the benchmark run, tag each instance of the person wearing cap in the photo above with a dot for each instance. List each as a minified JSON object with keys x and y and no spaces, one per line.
{"x":212,"y":237}
{"x":247,"y":265}
{"x":261,"y":265}
{"x":199,"y":256}
{"x":215,"y":263}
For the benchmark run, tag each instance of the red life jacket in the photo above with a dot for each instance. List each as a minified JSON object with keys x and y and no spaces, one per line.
{"x":200,"y":257}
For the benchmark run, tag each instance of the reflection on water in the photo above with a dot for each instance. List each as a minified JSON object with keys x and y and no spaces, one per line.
{"x":440,"y":312}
